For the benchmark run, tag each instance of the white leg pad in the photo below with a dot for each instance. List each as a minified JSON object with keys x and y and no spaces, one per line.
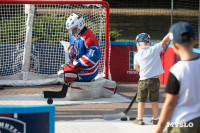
{"x":85,"y":90}
{"x":91,"y":90}
{"x":108,"y":88}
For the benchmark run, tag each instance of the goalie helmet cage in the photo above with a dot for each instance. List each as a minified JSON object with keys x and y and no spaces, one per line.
{"x":30,"y":32}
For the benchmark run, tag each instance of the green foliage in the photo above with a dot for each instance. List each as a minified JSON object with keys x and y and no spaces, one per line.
{"x":114,"y":34}
{"x":11,"y":31}
{"x":97,"y":29}
{"x":48,"y":28}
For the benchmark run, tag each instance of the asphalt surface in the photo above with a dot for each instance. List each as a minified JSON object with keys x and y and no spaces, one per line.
{"x":90,"y":111}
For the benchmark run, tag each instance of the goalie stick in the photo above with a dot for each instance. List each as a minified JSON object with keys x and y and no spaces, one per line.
{"x":56,"y":94}
{"x":63,"y":92}
{"x":122,"y":115}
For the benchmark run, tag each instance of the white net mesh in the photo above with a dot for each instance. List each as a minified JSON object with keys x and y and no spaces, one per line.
{"x":12,"y":32}
{"x":45,"y":55}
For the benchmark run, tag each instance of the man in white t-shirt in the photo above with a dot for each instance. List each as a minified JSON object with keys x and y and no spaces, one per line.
{"x":147,"y":62}
{"x":182,"y":102}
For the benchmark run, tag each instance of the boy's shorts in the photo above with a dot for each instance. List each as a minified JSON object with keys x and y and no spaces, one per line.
{"x":190,"y":127}
{"x":148,"y":86}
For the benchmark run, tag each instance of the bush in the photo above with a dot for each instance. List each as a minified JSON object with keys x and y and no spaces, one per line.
{"x":114,"y":34}
{"x":48,"y":28}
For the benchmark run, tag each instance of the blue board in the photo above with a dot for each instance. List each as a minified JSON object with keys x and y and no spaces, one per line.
{"x":27,"y":119}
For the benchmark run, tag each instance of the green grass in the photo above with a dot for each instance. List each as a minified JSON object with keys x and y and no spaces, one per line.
{"x":129,"y":26}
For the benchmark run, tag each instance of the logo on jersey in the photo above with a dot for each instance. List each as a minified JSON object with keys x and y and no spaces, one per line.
{"x":73,"y":51}
{"x":67,"y":25}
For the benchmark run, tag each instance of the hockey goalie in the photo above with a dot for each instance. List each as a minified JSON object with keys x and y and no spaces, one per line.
{"x":82,"y":65}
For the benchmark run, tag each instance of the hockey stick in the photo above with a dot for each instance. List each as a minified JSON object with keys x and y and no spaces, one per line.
{"x":121,"y":114}
{"x":164,"y":49}
{"x":55,"y":94}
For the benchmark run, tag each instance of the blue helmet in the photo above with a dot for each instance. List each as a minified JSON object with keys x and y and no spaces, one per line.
{"x":143,"y":37}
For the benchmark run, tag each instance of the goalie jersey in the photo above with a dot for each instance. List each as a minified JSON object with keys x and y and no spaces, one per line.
{"x":86,"y":51}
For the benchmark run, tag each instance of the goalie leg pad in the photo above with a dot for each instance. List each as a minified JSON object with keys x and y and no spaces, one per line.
{"x":85,"y":90}
{"x":108,"y":88}
{"x":91,"y":90}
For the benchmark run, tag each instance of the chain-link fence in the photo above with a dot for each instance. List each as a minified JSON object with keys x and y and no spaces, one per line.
{"x":131,"y":17}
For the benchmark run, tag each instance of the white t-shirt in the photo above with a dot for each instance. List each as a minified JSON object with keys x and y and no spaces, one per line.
{"x":148,"y":59}
{"x":184,"y":81}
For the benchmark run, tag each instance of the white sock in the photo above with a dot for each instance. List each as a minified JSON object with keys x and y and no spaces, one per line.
{"x":155,"y":118}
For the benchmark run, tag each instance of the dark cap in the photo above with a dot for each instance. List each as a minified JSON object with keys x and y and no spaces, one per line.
{"x":181,"y":32}
{"x":143,"y":37}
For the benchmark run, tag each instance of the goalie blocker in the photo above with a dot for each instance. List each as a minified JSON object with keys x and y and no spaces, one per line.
{"x":71,"y":71}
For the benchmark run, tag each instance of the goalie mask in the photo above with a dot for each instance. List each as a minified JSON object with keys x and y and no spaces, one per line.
{"x":74,"y":24}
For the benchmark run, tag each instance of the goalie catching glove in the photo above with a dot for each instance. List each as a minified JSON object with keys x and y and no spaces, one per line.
{"x":71,"y":70}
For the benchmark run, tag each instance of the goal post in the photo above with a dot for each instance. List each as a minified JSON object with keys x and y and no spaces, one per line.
{"x":30,"y":35}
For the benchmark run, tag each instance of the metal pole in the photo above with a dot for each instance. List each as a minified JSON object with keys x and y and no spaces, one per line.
{"x":172,"y":8}
{"x":29,"y":11}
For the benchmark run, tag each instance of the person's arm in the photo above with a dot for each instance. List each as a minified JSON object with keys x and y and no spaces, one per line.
{"x":165,"y":40}
{"x":136,"y":63}
{"x":163,"y":44}
{"x":166,"y":113}
{"x":137,"y":68}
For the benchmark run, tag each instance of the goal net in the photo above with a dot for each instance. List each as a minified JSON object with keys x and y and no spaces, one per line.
{"x":30,"y":35}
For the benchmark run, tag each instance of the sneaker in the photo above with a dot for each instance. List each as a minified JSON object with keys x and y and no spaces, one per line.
{"x":138,"y":121}
{"x":154,"y":121}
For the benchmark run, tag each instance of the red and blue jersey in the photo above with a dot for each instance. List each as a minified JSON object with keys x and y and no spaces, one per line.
{"x":86,"y":51}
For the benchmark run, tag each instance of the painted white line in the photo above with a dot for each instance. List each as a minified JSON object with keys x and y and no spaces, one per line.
{"x":37,"y":100}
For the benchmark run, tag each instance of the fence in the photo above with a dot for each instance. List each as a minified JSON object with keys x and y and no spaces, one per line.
{"x":131,"y":17}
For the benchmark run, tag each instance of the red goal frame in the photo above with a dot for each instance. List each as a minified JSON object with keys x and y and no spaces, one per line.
{"x":75,"y":2}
